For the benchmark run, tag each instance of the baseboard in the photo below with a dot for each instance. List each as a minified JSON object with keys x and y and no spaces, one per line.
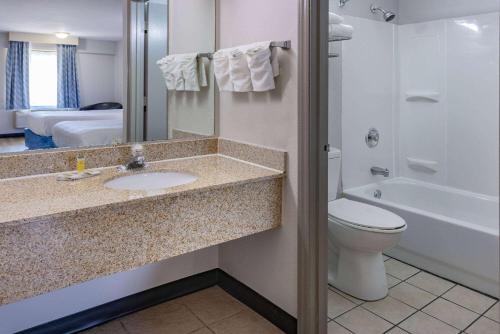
{"x":11,"y":135}
{"x":101,"y":314}
{"x":258,"y":303}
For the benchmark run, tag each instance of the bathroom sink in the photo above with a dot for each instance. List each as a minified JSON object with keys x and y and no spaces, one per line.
{"x":151,"y":181}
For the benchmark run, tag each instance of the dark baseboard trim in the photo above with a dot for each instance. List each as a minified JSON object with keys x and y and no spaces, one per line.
{"x":11,"y":135}
{"x":101,"y":314}
{"x":258,"y":303}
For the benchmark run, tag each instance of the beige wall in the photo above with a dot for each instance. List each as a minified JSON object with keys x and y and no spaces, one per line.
{"x":266,"y":262}
{"x":192,"y":29}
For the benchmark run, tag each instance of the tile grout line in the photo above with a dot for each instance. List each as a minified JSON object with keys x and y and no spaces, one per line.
{"x":364,"y":302}
{"x":347,"y":329}
{"x":445,"y":279}
{"x":489,"y":308}
{"x":124,"y":327}
{"x":465,"y":307}
{"x":481,"y":316}
{"x":434,"y":299}
{"x":341,"y":314}
{"x":421,"y":308}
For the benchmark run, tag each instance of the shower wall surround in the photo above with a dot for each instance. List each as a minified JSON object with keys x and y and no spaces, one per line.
{"x":390,"y":75}
{"x":368,"y":99}
{"x":456,"y":59}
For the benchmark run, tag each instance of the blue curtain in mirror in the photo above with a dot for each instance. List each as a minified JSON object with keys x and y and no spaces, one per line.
{"x":68,"y":92}
{"x":17,"y":76}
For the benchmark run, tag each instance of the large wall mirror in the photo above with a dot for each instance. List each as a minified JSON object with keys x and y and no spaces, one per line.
{"x":80,"y":73}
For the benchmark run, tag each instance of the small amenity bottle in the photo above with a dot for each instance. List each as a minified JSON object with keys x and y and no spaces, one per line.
{"x":80,"y":164}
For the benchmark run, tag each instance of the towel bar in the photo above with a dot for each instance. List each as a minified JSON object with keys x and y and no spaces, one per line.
{"x":282,"y":44}
{"x":208,"y":55}
{"x":275,"y":44}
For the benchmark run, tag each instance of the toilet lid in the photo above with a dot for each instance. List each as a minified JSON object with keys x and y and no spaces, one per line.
{"x":364,"y":215}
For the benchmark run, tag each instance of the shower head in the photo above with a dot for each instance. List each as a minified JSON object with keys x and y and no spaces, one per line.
{"x":387,"y":14}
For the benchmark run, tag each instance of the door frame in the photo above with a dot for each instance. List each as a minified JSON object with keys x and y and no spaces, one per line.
{"x":313,"y":166}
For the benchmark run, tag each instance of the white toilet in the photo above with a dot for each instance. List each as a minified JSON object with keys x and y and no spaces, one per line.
{"x":358,"y":233}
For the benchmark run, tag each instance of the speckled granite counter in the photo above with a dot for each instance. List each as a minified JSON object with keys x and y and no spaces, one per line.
{"x":55,"y":234}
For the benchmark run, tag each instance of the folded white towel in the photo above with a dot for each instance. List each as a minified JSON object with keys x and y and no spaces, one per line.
{"x":340,"y":30}
{"x":221,"y":71}
{"x":190,"y":73}
{"x":261,"y":46}
{"x":179,"y":81}
{"x":169,"y":66}
{"x":239,"y":71}
{"x":261,"y":70}
{"x":335,"y":19}
{"x":182,"y":72}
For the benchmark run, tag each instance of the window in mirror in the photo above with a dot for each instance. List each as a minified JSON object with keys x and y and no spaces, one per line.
{"x":43,"y":79}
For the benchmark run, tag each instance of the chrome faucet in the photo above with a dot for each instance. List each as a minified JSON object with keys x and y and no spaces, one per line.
{"x":380,"y":171}
{"x":137,"y":161}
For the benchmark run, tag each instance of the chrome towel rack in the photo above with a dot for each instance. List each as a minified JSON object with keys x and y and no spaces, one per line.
{"x":208,"y":55}
{"x":285,"y":45}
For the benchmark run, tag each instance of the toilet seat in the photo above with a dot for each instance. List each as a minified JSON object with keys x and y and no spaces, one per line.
{"x":365,"y":217}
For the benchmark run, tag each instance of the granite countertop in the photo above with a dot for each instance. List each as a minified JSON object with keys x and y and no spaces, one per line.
{"x":24,"y":199}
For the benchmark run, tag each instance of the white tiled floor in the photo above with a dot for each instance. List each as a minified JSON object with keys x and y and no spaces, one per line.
{"x":418,"y":303}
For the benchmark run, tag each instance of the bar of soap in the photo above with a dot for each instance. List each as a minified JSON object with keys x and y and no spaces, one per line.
{"x":74,"y":176}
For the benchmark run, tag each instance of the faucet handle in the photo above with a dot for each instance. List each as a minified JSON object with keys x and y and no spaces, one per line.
{"x":137,"y":149}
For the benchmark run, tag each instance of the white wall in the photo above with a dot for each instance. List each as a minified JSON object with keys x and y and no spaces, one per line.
{"x":473,"y":104}
{"x":368,"y":86}
{"x":361,"y":8}
{"x":411,"y":11}
{"x":38,"y":310}
{"x":457,"y":58}
{"x":266,"y":262}
{"x":192,"y":29}
{"x":119,"y":72}
{"x":97,"y":61}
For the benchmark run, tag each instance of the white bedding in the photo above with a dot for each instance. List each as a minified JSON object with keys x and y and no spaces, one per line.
{"x":42,"y":122}
{"x":87,"y":133}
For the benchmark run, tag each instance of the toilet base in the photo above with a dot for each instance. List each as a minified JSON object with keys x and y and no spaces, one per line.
{"x":360,"y":274}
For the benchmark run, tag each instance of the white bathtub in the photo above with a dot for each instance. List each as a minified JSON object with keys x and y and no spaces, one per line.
{"x":451,"y":233}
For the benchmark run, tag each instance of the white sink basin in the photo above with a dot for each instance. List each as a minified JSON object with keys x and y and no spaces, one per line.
{"x":151,"y":181}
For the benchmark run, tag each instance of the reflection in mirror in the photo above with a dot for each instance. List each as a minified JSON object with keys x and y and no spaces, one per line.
{"x":170,"y":79}
{"x":61,"y":73}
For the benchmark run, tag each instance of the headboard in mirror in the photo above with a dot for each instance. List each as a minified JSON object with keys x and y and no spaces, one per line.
{"x":81,"y":74}
{"x":171,"y":78}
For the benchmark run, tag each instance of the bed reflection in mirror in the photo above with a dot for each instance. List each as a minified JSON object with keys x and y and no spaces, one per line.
{"x":85,"y":72}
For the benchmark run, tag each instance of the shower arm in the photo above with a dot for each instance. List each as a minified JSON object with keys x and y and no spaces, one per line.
{"x":342,"y":3}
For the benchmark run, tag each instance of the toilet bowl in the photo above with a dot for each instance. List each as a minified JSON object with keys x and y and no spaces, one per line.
{"x":358,"y":233}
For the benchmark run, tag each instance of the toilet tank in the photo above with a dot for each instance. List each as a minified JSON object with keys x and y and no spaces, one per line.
{"x":334,"y":163}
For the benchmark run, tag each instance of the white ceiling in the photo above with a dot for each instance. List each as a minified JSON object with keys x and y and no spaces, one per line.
{"x":94,"y":19}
